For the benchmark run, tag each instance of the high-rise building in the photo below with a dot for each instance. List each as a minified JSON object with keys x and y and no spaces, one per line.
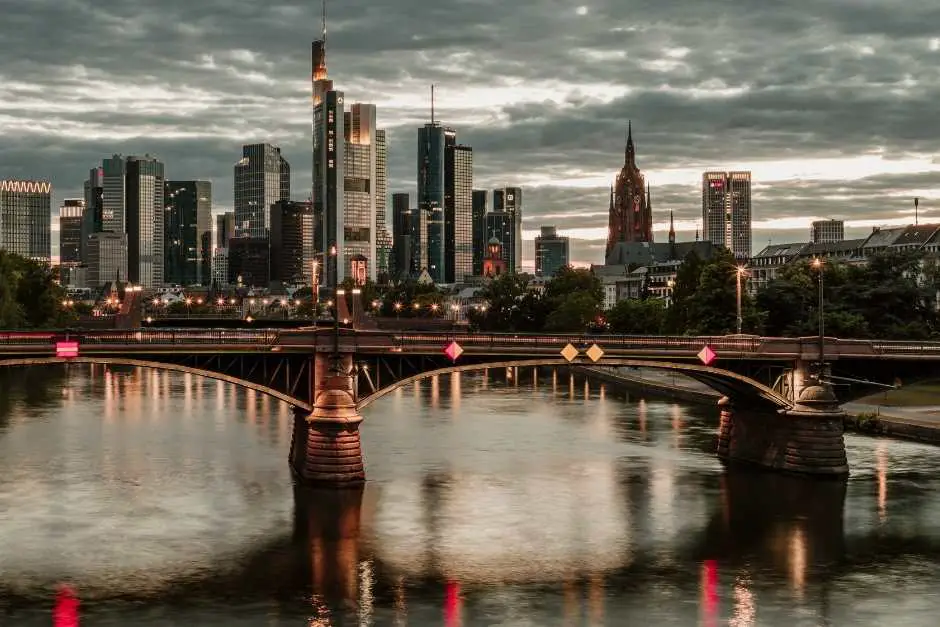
{"x":292,"y":242}
{"x":458,"y":209}
{"x":26,"y":218}
{"x":479,"y":229}
{"x":188,"y":232}
{"x":224,"y":228}
{"x":262,"y":177}
{"x":71,"y":214}
{"x":402,"y":264}
{"x":828,"y":231}
{"x":431,"y":182}
{"x":144,"y":210}
{"x":349,"y":178}
{"x":499,"y":226}
{"x":249,"y":261}
{"x":113,"y":175}
{"x":507,"y":205}
{"x":107,"y":258}
{"x":551,"y":252}
{"x":630,"y":211}
{"x":726,"y":211}
{"x":92,"y":222}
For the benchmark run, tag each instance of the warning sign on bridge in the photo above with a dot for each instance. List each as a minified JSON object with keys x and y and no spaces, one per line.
{"x":707,"y":355}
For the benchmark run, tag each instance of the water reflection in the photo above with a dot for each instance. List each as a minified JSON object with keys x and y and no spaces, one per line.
{"x":549,"y":503}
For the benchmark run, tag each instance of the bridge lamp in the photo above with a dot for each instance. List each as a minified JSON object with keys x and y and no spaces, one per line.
{"x":818,"y":265}
{"x":740,"y":271}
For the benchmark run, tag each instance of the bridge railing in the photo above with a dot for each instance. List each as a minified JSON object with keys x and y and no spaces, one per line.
{"x":180,"y":336}
{"x":691,"y":344}
{"x":900,"y":346}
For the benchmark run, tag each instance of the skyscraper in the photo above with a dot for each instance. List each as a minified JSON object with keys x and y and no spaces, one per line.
{"x":107,"y":258}
{"x":349,"y":177}
{"x":113,"y":180}
{"x":431,"y":168}
{"x":479,"y":229}
{"x":92,"y":220}
{"x":224,"y":228}
{"x":551,"y":252}
{"x":26,"y":218}
{"x":630,"y":213}
{"x":144,"y":211}
{"x":292,"y":242}
{"x":71,"y":214}
{"x":458,"y":209}
{"x":262,"y":177}
{"x":508,"y":201}
{"x":726,"y":211}
{"x":188,"y":232}
{"x":828,"y":231}
{"x":402,"y":236}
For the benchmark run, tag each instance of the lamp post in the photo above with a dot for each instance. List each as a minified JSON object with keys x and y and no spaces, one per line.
{"x":740,"y":272}
{"x":336,"y":294}
{"x":818,"y":265}
{"x":315,"y":293}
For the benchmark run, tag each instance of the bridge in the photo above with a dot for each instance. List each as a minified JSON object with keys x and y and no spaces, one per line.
{"x":789,"y":423}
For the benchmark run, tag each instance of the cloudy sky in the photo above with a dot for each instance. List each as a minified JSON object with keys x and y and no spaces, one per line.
{"x":831,"y":103}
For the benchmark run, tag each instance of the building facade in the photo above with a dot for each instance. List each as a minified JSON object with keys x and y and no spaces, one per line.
{"x":187,"y":232}
{"x":360,"y":221}
{"x":383,"y":240}
{"x":402,"y":259}
{"x":726,"y":211}
{"x":292,"y":254}
{"x":71,"y":214}
{"x":249,"y":262}
{"x":92,"y":221}
{"x":551,"y":252}
{"x":224,"y":228}
{"x":107,"y":258}
{"x":144,"y":212}
{"x":458,"y":209}
{"x":431,"y":168}
{"x":113,"y":181}
{"x":262,"y":177}
{"x":630,"y":212}
{"x":827,"y":231}
{"x":505,"y":222}
{"x":26,"y":219}
{"x":478,"y":229}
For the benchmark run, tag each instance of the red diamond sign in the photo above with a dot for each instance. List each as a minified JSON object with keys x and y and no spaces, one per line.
{"x":707,"y":355}
{"x":453,"y":351}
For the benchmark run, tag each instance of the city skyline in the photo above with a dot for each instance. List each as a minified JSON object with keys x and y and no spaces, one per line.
{"x":832,"y":148}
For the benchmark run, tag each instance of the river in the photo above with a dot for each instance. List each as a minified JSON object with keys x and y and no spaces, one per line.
{"x":539,"y":499}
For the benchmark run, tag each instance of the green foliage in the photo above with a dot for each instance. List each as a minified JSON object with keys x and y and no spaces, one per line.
{"x":704,"y":297}
{"x":638,"y":317}
{"x":29,"y":295}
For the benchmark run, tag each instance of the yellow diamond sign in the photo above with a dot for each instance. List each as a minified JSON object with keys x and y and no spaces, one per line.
{"x":569,"y":352}
{"x":595,"y":352}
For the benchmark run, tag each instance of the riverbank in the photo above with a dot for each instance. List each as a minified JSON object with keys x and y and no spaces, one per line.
{"x":917,"y":423}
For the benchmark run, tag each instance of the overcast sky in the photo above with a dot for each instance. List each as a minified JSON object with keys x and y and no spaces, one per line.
{"x":831,"y":103}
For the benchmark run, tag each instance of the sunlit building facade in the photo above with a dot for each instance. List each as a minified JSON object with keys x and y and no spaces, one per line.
{"x":458,"y":210}
{"x":144,"y":212}
{"x":726,"y":211}
{"x":71,"y":213}
{"x":262,"y":177}
{"x":26,"y":218}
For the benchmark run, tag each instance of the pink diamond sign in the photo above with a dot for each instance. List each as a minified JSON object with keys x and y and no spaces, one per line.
{"x":453,"y":351}
{"x":707,"y":355}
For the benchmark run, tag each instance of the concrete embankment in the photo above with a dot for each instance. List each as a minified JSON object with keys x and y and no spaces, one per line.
{"x":652,"y":383}
{"x":903,"y":423}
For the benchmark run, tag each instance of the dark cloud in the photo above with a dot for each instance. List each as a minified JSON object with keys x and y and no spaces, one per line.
{"x":541,"y":92}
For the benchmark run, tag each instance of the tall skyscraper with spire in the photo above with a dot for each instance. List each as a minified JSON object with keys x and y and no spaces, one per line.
{"x":631,"y":218}
{"x":349,"y":177}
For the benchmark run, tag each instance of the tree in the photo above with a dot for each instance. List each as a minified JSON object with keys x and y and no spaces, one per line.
{"x":638,"y":317}
{"x":505,"y":296}
{"x":704,"y":297}
{"x":574,"y":313}
{"x":29,"y":295}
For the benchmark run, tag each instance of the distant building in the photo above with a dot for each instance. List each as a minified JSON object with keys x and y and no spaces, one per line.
{"x":71,"y":214}
{"x":224,"y":229}
{"x":551,"y":252}
{"x":507,"y":208}
{"x":630,"y":211}
{"x":726,"y":211}
{"x":827,"y":231}
{"x":249,"y":262}
{"x":220,"y":268}
{"x":458,"y":209}
{"x":92,"y":220}
{"x":479,"y":229}
{"x":262,"y":177}
{"x":26,"y":219}
{"x":292,"y":242}
{"x":188,"y":233}
{"x":107,"y":258}
{"x":494,"y":262}
{"x":431,"y":181}
{"x":402,"y":255}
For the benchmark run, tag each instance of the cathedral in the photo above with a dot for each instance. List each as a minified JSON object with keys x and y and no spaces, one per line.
{"x":631,"y":213}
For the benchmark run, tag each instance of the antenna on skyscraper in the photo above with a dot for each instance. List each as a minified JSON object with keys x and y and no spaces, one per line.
{"x":323,"y":21}
{"x":916,"y":202}
{"x":432,"y":103}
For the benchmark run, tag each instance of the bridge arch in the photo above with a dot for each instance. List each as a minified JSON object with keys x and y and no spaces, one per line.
{"x":157,"y":365}
{"x":737,"y":387}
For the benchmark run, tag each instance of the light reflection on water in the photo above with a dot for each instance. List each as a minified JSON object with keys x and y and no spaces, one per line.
{"x":496,"y":498}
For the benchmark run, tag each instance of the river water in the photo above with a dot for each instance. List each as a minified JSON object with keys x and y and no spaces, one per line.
{"x":539,"y":499}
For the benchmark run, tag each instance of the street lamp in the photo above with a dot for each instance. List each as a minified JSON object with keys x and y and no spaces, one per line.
{"x":818,"y":265}
{"x":740,"y":271}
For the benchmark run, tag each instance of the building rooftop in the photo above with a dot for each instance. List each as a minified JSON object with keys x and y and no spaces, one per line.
{"x":781,"y":250}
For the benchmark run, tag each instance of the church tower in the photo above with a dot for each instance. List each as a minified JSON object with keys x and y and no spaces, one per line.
{"x":631,"y":217}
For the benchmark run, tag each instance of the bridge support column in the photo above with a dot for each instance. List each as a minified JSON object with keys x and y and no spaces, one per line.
{"x":325,"y":450}
{"x":807,"y":439}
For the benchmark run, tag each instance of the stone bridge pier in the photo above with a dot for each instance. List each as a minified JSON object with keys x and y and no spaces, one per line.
{"x":325,"y":447}
{"x":807,"y":438}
